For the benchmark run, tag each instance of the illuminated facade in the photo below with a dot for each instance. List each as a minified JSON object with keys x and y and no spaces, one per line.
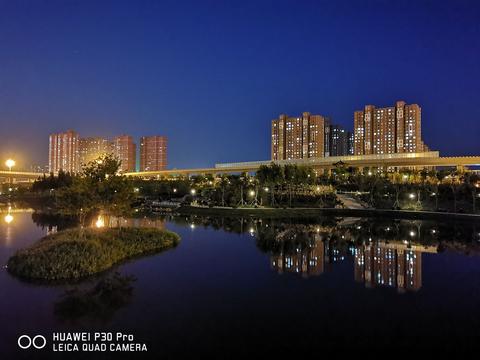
{"x":92,"y":148}
{"x":339,"y":141}
{"x":63,"y":152}
{"x":396,"y":129}
{"x":351,"y":142}
{"x":153,"y":153}
{"x":124,"y":149}
{"x":298,"y":137}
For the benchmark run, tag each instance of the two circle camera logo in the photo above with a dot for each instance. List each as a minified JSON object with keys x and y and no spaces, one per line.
{"x":38,"y":342}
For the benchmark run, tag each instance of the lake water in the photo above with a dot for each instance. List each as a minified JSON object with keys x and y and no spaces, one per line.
{"x":239,"y":286}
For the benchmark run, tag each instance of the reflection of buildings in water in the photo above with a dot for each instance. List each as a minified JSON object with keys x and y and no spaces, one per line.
{"x":396,"y":265}
{"x":307,"y":261}
{"x":393,"y":265}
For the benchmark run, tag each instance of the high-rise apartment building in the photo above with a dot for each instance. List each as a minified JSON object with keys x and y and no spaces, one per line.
{"x":92,"y":148}
{"x":351,"y":143}
{"x":63,"y":152}
{"x":298,"y":137}
{"x":395,"y":129}
{"x":339,"y":144}
{"x":327,"y":136}
{"x":124,"y":149}
{"x":153,"y":153}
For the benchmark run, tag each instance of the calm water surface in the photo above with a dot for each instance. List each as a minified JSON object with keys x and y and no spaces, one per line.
{"x":245,"y":285}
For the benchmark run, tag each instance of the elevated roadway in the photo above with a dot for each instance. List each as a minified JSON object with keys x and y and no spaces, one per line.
{"x":410,"y":160}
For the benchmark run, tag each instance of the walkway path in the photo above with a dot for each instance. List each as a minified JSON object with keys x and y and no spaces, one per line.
{"x":350,"y":202}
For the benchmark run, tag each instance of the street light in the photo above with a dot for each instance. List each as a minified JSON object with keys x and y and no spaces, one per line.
{"x":411,"y":196}
{"x":193,"y":191}
{"x":10,"y":163}
{"x":251,"y":193}
{"x":100,"y":223}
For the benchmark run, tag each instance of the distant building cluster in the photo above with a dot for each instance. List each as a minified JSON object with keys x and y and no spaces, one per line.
{"x":308,"y":136}
{"x":69,"y":152}
{"x":389,"y":130}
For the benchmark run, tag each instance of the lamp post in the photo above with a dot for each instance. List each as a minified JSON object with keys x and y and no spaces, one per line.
{"x":193,"y":192}
{"x":10,"y":163}
{"x":253,"y":195}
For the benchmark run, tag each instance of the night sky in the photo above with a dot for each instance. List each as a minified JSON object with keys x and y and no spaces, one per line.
{"x":211,"y":75}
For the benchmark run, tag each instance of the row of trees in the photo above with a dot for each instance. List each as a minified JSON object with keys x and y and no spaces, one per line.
{"x":272,"y":185}
{"x":98,"y":188}
{"x":51,"y":182}
{"x":452,"y":190}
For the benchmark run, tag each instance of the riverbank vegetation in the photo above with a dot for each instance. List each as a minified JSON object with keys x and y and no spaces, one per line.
{"x":77,"y":253}
{"x":100,"y":188}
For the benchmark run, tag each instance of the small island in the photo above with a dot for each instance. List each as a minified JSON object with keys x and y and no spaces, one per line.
{"x":98,"y":191}
{"x":78,"y":253}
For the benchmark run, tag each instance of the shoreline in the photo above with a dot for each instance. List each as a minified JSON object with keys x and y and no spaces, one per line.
{"x":313,"y":212}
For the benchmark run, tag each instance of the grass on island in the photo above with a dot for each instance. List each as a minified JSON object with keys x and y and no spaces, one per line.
{"x":75,"y":253}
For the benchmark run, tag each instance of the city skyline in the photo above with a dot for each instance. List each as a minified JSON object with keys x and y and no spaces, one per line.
{"x":184,"y":177}
{"x":85,"y":78}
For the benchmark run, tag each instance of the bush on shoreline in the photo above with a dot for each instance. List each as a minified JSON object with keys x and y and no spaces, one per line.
{"x":75,"y":253}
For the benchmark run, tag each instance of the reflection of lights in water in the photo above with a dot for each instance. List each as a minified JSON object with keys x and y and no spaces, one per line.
{"x":8,"y":218}
{"x":100,"y":223}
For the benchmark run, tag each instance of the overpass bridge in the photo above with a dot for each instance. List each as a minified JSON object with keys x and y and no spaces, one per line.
{"x":405,"y":160}
{"x":19,"y":176}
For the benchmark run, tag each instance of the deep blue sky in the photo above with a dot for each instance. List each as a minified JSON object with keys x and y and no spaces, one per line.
{"x":212,"y":74}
